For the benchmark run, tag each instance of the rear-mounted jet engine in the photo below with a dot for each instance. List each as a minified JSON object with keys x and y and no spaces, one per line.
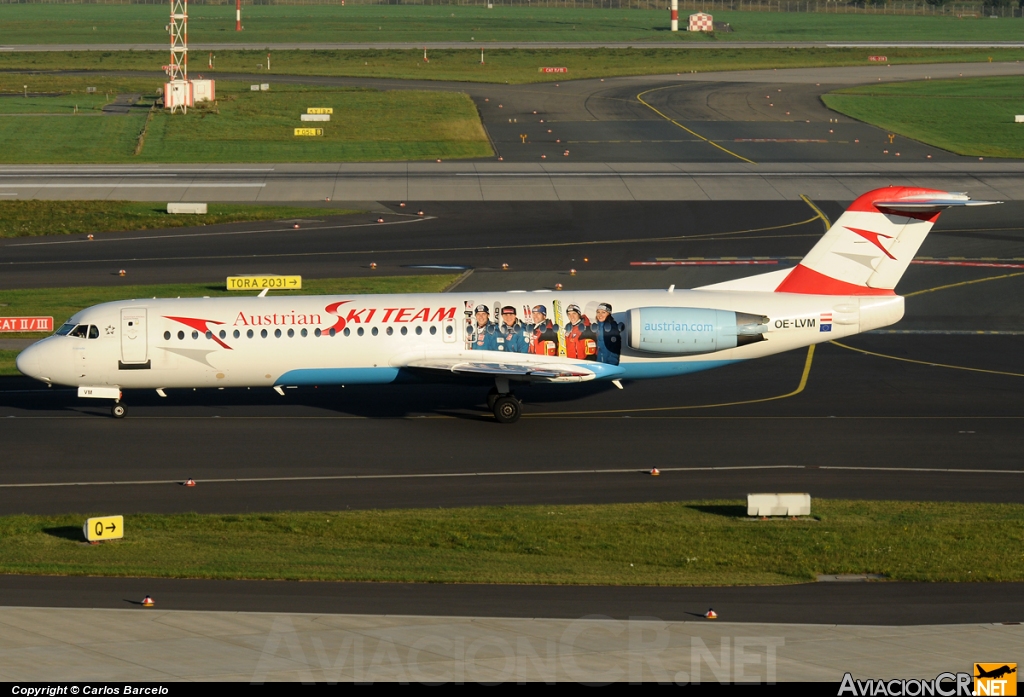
{"x":684,"y":330}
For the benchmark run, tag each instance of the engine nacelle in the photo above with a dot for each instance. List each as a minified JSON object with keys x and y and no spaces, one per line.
{"x":683,"y":330}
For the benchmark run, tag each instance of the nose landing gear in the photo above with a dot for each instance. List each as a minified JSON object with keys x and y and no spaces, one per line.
{"x":117,"y":410}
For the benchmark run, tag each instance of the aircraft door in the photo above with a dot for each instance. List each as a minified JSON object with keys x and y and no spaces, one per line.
{"x":80,"y":364}
{"x":134,"y":343}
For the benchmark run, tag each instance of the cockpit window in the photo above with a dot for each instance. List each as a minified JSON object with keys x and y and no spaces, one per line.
{"x":65,"y":328}
{"x":94,"y":331}
{"x":81,"y":331}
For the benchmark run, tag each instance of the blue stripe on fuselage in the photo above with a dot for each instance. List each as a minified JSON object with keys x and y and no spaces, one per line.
{"x":339,"y":376}
{"x":383,"y":376}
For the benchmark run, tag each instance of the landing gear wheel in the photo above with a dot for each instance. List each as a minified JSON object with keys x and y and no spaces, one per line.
{"x":492,"y":397}
{"x":507,"y":409}
{"x":117,"y":410}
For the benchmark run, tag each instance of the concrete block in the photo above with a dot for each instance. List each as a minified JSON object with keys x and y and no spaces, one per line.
{"x":264,"y":87}
{"x":254,"y":88}
{"x":315,"y":117}
{"x":778,"y":504}
{"x":1019,"y":118}
{"x":187,"y":208}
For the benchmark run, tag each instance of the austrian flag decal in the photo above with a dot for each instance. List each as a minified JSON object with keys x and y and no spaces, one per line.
{"x":825,"y":322}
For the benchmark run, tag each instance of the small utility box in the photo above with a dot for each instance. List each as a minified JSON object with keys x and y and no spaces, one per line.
{"x":763,"y":505}
{"x":1019,"y":118}
{"x":187,"y":208}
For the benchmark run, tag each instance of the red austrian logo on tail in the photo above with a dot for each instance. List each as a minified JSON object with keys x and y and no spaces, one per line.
{"x":872,"y":237}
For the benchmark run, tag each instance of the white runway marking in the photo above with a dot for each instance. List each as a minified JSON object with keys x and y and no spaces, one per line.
{"x":449,"y":475}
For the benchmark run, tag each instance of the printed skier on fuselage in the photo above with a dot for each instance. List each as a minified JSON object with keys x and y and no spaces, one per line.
{"x":512,"y":336}
{"x":607,"y":335}
{"x":580,"y":342}
{"x":543,"y":333}
{"x":482,"y":334}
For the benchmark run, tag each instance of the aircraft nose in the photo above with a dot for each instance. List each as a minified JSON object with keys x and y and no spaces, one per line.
{"x":28,"y":362}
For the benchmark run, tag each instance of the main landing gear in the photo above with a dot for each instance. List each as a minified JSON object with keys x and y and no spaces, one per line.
{"x":117,"y":410}
{"x":503,"y":404}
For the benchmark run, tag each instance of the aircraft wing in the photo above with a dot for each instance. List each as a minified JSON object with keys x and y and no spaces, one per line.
{"x":529,"y":372}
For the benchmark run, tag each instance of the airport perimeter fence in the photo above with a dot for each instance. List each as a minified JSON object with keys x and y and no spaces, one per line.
{"x":997,"y":8}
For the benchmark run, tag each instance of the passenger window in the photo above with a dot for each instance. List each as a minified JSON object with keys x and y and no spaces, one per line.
{"x":348,"y":332}
{"x":391,"y":330}
{"x":317,"y":332}
{"x":291,"y":333}
{"x":304,"y":333}
{"x":195,"y":334}
{"x":419,"y":330}
{"x":236,"y":333}
{"x":405,"y":330}
{"x":167,"y":336}
{"x":263,"y":333}
{"x":81,"y":331}
{"x":248,"y":334}
{"x":209,"y":334}
{"x":433,"y":330}
{"x":223,"y":333}
{"x":374,"y":331}
{"x":181,"y":335}
{"x":277,"y":333}
{"x":94,"y":332}
{"x":359,"y":331}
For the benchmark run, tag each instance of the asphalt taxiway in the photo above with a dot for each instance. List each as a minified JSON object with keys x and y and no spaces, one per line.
{"x":743,"y":135}
{"x":891,"y":604}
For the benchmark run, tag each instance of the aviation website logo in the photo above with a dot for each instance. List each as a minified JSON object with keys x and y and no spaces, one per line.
{"x":995,"y":679}
{"x":989,"y":680}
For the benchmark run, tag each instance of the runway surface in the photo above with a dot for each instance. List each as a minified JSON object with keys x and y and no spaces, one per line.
{"x":929,"y":409}
{"x":887,"y":604}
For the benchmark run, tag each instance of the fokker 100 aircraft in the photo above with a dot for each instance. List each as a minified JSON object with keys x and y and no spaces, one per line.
{"x":843,"y":286}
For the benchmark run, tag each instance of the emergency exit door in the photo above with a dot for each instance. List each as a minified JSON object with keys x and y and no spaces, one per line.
{"x":134,"y":349}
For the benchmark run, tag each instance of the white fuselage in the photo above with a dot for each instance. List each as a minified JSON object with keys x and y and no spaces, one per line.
{"x":321,"y":340}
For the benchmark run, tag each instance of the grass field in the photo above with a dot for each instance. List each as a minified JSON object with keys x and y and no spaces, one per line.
{"x":517,"y":66}
{"x":700,"y":543}
{"x":968,"y":117}
{"x":66,"y":23}
{"x":242,"y":126}
{"x":61,"y":303}
{"x":30,"y":218}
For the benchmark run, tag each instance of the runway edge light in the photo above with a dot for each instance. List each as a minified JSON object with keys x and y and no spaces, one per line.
{"x":102,"y":529}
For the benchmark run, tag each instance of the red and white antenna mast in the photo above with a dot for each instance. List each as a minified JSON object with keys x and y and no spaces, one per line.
{"x":238,"y":15}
